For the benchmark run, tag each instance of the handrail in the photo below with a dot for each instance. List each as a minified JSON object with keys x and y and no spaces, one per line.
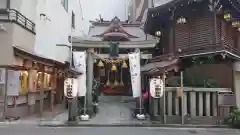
{"x":217,"y":47}
{"x":17,"y":17}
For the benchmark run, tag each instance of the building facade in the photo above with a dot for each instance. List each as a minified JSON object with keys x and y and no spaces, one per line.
{"x":200,"y":38}
{"x":35,"y":46}
{"x":136,"y":9}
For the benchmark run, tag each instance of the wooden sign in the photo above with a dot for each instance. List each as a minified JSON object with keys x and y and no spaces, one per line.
{"x":226,"y":99}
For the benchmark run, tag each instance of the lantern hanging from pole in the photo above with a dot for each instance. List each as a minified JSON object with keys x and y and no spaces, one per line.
{"x":114,"y":68}
{"x":181,"y":20}
{"x":100,"y":64}
{"x":236,"y":23}
{"x":227,"y":16}
{"x":124,"y":65}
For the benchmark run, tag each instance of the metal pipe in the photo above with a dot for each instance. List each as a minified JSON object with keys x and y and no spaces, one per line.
{"x":70,"y":115}
{"x":5,"y":94}
{"x":8,"y":4}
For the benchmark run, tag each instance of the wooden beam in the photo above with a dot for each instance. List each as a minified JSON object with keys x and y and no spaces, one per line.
{"x":30,"y":58}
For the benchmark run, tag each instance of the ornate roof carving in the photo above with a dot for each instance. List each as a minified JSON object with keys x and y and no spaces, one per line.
{"x":116,"y":27}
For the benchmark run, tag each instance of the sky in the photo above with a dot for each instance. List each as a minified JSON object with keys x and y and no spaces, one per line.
{"x":107,"y":8}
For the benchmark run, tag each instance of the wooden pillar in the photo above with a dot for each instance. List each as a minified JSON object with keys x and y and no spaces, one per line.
{"x":54,"y":90}
{"x":32,"y":82}
{"x":172,"y":32}
{"x":41,"y":90}
{"x":5,"y":94}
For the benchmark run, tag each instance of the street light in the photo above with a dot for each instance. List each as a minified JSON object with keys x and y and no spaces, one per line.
{"x":70,"y":118}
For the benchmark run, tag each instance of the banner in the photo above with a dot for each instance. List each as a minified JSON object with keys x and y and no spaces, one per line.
{"x":134,"y":63}
{"x":79,"y":59}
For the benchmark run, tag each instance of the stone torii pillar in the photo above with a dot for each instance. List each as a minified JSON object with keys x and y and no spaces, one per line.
{"x":90,"y":60}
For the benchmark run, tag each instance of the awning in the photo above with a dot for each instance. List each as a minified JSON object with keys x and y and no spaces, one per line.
{"x":160,"y":67}
{"x":73,"y":71}
{"x":38,"y":57}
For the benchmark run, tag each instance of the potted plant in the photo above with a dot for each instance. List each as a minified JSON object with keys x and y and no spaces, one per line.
{"x":234,"y":118}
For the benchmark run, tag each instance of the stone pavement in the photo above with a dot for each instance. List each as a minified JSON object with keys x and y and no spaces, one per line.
{"x":36,"y":119}
{"x":113,"y":110}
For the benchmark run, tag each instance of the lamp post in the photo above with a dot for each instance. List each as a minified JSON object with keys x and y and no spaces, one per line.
{"x":70,"y":112}
{"x":70,"y":115}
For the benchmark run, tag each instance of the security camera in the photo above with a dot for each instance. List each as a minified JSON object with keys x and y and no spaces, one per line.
{"x":2,"y":28}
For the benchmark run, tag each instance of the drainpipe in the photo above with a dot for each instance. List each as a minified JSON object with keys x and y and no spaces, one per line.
{"x":214,"y":35}
{"x":8,"y":4}
{"x":134,"y":8}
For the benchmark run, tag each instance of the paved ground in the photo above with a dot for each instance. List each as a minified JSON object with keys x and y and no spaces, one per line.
{"x":112,"y":110}
{"x":30,"y":130}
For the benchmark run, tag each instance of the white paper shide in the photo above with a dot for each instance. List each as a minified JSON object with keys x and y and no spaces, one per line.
{"x":134,"y":63}
{"x":79,"y":59}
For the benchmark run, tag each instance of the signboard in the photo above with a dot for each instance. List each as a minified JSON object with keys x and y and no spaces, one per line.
{"x":226,"y":99}
{"x":13,"y":83}
{"x":156,"y":87}
{"x":70,"y":87}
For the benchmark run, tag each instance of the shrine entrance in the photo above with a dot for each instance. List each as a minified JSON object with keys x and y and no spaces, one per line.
{"x":114,"y":77}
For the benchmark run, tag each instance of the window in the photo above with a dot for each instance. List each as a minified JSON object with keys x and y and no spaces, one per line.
{"x":73,"y":20}
{"x":65,"y":4}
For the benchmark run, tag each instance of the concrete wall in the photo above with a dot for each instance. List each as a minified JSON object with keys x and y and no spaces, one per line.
{"x":160,"y":2}
{"x":3,"y":4}
{"x":221,"y":73}
{"x":57,"y":29}
{"x":26,"y":7}
{"x":237,"y":82}
{"x":6,"y":52}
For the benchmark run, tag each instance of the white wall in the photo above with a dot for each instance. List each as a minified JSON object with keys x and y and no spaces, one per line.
{"x":3,"y":4}
{"x":160,"y":2}
{"x":26,"y":7}
{"x":57,"y":29}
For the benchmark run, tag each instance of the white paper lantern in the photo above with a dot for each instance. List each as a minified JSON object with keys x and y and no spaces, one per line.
{"x":156,"y":87}
{"x":70,"y":87}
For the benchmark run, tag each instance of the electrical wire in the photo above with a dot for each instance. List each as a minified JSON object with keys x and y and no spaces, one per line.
{"x":80,"y":5}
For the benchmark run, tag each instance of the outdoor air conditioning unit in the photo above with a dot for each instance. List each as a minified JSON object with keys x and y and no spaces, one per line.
{"x":2,"y":28}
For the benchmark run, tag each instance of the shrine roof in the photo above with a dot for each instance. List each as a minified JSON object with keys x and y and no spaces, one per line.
{"x":133,"y":31}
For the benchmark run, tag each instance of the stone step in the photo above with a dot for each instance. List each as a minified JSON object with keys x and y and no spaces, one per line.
{"x":115,"y":98}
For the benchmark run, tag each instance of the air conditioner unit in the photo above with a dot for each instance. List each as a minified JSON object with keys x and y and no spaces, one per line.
{"x":2,"y":28}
